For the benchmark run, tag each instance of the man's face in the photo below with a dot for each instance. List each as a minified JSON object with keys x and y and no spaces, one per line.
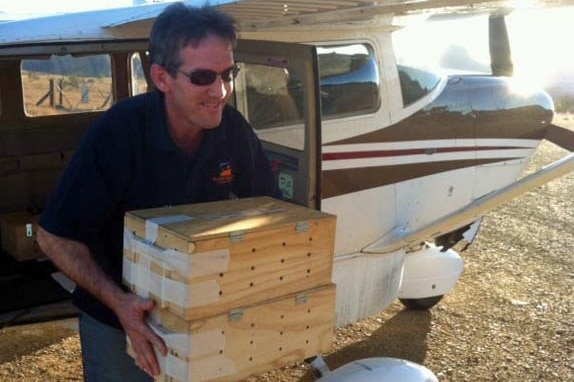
{"x":198,"y":107}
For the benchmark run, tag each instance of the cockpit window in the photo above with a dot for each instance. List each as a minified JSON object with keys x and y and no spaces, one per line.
{"x":349,"y":80}
{"x":426,"y":51}
{"x":67,"y":84}
{"x":416,"y":83}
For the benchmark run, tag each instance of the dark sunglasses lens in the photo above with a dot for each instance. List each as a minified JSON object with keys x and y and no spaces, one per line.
{"x":203,"y":77}
{"x":229,"y":74}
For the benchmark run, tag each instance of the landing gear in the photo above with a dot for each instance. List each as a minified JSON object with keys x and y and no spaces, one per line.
{"x":420,"y":303}
{"x":428,"y":275}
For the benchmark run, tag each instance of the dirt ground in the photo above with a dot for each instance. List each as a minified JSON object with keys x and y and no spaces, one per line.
{"x":510,"y":318}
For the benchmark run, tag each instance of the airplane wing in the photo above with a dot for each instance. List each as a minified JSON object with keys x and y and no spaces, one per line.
{"x":135,"y":22}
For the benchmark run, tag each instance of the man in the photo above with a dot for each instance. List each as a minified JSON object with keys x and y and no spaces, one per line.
{"x":176,"y":145}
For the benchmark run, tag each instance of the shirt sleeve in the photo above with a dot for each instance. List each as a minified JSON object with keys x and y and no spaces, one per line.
{"x":88,"y":192}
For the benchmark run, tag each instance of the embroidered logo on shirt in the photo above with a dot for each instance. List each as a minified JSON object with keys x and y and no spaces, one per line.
{"x":224,"y":174}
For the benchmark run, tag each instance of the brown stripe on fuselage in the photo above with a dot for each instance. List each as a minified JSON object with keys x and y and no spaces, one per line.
{"x":470,"y":107}
{"x":345,"y":181}
{"x":425,"y":125}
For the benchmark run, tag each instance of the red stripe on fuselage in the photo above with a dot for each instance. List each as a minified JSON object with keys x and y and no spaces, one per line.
{"x":396,"y":153}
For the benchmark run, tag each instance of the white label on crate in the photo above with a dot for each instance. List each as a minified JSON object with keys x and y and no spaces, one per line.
{"x":171,"y":257}
{"x":139,"y":274}
{"x":198,"y":264}
{"x":29,"y":230}
{"x":152,"y":225}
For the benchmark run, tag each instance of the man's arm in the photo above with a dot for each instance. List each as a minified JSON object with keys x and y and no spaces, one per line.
{"x":75,"y":260}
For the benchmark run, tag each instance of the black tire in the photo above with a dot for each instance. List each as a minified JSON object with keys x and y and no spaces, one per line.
{"x":420,"y":303}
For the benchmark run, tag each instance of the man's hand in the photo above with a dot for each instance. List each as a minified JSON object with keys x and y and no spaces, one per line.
{"x":132,"y":312}
{"x":76,"y":261}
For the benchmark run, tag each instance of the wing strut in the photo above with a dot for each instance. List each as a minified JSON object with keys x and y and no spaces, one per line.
{"x":402,"y":236}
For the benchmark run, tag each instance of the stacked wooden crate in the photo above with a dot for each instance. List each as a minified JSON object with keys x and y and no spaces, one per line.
{"x":241,"y":286}
{"x":18,"y":235}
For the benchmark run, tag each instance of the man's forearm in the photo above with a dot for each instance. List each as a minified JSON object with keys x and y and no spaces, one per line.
{"x":75,"y":260}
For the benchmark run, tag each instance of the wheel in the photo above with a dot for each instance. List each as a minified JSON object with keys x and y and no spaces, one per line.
{"x":420,"y":303}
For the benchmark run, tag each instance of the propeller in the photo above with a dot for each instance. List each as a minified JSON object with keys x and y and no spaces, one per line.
{"x":500,"y":56}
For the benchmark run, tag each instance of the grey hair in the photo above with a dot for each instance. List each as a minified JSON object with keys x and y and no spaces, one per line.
{"x":180,"y":25}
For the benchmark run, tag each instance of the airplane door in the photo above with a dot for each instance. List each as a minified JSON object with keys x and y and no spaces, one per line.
{"x":277,"y":91}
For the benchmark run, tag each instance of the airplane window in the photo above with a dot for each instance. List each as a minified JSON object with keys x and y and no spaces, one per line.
{"x":139,"y":82}
{"x":349,"y":80}
{"x":416,"y":83}
{"x":425,"y":51}
{"x":67,"y":84}
{"x":272,"y":101}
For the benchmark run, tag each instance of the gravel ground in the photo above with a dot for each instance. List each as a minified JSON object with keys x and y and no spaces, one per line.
{"x":510,"y":318}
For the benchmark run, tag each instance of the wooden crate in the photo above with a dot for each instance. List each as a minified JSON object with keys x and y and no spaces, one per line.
{"x":203,"y":259}
{"x":247,"y":341}
{"x":18,"y":231}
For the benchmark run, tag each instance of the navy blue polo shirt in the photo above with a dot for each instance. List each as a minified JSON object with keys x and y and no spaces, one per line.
{"x":127,"y":161}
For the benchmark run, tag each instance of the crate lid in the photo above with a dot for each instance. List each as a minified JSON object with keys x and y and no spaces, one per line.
{"x":204,"y":221}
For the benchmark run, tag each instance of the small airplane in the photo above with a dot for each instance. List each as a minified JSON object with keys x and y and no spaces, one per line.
{"x":409,"y":160}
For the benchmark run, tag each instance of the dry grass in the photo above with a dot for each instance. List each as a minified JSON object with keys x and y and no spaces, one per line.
{"x":67,"y":96}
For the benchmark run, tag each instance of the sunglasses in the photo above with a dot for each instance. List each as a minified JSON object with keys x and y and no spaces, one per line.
{"x":204,"y":77}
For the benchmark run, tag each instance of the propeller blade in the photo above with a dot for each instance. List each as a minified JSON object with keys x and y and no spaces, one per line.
{"x":500,"y":57}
